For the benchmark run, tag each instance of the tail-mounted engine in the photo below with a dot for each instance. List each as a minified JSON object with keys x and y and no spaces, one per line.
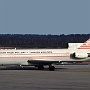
{"x":79,"y":55}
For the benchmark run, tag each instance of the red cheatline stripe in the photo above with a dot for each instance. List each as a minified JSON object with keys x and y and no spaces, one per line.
{"x":35,"y":57}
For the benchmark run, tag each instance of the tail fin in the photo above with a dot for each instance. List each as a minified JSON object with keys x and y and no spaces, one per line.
{"x":85,"y":45}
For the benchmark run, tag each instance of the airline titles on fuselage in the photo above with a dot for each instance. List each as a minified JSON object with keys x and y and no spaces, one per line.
{"x":25,"y":52}
{"x":32,"y":53}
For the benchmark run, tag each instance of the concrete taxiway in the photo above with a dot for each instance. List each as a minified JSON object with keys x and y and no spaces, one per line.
{"x":65,"y":78}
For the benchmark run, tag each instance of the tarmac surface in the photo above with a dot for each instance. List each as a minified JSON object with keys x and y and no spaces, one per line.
{"x":68,"y":77}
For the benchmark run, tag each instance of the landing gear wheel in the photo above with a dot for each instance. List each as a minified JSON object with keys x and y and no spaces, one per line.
{"x":40,"y":67}
{"x":51,"y":68}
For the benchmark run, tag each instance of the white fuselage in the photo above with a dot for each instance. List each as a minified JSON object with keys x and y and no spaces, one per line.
{"x":21,"y":56}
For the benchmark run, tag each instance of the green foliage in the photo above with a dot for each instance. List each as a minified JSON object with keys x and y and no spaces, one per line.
{"x":40,"y":41}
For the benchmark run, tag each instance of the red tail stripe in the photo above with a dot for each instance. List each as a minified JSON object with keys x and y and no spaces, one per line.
{"x":83,"y":48}
{"x":86,"y":45}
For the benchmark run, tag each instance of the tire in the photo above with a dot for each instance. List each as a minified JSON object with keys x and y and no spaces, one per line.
{"x":40,"y":67}
{"x":51,"y":68}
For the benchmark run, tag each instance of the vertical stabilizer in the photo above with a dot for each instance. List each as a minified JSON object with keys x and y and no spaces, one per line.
{"x":85,"y":45}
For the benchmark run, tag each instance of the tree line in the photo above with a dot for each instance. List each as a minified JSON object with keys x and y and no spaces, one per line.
{"x":41,"y":41}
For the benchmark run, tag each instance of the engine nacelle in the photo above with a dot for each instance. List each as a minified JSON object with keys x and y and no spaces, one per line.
{"x":80,"y":55}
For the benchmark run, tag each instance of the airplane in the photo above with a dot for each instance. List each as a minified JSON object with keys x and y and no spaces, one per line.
{"x":41,"y":57}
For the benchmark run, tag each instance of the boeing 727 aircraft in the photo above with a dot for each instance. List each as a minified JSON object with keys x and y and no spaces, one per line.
{"x":41,"y":57}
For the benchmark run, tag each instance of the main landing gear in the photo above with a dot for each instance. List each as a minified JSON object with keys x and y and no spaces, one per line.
{"x":40,"y":67}
{"x":51,"y":68}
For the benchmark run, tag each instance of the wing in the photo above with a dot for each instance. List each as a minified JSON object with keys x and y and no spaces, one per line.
{"x":51,"y":61}
{"x":42,"y":61}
